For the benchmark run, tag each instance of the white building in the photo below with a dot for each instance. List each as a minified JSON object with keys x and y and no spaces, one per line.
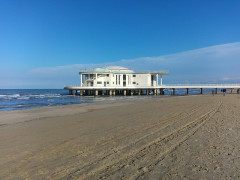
{"x":117,"y":76}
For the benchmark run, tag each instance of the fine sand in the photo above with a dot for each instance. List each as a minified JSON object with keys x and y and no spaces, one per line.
{"x":190,"y":137}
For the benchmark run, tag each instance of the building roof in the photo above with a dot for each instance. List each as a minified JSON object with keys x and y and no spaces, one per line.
{"x":116,"y":68}
{"x":119,"y":69}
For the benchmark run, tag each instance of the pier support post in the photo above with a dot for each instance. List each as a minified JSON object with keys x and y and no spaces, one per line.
{"x":201,"y":91}
{"x":132,"y":92}
{"x":215,"y":90}
{"x":172,"y":92}
{"x":157,"y":91}
{"x":102,"y":92}
{"x":139,"y":92}
{"x":231,"y":91}
{"x":96,"y":92}
{"x":124,"y":92}
{"x":81,"y":92}
{"x":161,"y":92}
{"x":70,"y":92}
{"x":186,"y":91}
{"x":114,"y":92}
{"x":110,"y":92}
{"x":150,"y":92}
{"x":89,"y":92}
{"x":147,"y":92}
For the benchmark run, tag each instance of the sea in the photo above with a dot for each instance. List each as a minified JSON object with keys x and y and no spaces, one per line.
{"x":18,"y":99}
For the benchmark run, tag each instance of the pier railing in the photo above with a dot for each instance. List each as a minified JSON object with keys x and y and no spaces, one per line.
{"x":169,"y":86}
{"x":201,"y":85}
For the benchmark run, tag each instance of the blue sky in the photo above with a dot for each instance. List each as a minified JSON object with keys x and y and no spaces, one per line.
{"x":43,"y":44}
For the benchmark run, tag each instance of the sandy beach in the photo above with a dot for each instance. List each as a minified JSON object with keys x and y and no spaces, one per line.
{"x":180,"y":137}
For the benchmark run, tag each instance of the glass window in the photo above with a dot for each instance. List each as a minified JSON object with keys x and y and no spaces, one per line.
{"x":99,"y":82}
{"x":134,"y":75}
{"x":107,"y":75}
{"x":134,"y":82}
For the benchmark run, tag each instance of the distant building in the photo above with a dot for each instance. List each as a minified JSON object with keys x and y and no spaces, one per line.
{"x":117,"y":76}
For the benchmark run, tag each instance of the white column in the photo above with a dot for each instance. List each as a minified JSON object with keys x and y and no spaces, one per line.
{"x":95,"y":81}
{"x":157,"y":80}
{"x":81,"y":80}
{"x":161,"y":79}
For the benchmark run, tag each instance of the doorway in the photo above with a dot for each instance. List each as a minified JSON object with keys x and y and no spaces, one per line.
{"x":124,"y":80}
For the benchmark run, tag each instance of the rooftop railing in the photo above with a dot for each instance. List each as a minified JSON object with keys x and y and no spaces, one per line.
{"x":201,"y":85}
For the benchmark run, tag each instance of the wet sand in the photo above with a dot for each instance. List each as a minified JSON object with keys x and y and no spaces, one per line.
{"x":191,"y":137}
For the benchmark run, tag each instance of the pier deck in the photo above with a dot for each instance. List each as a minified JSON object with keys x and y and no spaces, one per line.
{"x":156,"y":90}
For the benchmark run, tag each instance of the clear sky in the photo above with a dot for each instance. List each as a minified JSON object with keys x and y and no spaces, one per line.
{"x":43,"y":36}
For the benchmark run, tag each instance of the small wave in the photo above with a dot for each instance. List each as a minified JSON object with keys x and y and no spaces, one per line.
{"x":24,"y":98}
{"x":20,"y":105}
{"x":46,"y":96}
{"x":5,"y":96}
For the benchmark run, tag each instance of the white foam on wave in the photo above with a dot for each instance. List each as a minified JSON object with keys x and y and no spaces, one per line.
{"x":6,"y":96}
{"x":23,"y":98}
{"x":46,"y":95}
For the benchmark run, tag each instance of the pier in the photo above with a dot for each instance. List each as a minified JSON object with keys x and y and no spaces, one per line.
{"x":153,"y":90}
{"x":117,"y":80}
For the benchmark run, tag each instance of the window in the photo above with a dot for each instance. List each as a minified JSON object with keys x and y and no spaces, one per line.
{"x":107,"y":82}
{"x":99,"y":82}
{"x":107,"y":75}
{"x":134,"y":82}
{"x":113,"y":82}
{"x":134,"y":75}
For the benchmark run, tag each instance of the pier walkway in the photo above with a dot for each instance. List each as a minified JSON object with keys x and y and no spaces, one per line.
{"x":150,"y":90}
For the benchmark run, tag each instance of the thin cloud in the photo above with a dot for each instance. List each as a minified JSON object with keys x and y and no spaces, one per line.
{"x":205,"y":65}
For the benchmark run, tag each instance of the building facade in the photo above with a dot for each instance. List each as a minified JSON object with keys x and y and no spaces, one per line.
{"x":117,"y":76}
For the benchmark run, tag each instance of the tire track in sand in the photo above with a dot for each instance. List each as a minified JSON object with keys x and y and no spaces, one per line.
{"x":128,"y":160}
{"x":93,"y":149}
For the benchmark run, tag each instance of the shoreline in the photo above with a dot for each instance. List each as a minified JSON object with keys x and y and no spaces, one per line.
{"x":30,"y":99}
{"x":10,"y":117}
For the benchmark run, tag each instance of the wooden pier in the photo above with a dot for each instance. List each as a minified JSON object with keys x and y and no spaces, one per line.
{"x":153,"y":90}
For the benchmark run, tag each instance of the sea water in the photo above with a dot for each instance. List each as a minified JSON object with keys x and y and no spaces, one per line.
{"x":17,"y":99}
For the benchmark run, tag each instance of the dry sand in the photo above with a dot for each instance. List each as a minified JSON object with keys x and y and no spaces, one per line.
{"x":191,"y":137}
